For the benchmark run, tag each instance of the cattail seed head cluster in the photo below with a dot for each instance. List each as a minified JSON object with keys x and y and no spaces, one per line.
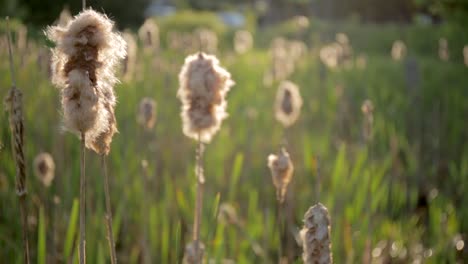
{"x":288,"y":103}
{"x":44,"y":168}
{"x":285,"y":54}
{"x":337,"y":53}
{"x":243,"y":41}
{"x":315,"y":236}
{"x":282,"y":169}
{"x":202,"y":91}
{"x":398,"y":50}
{"x":194,"y":252}
{"x":84,"y":60}
{"x":147,"y":113}
{"x":148,"y":34}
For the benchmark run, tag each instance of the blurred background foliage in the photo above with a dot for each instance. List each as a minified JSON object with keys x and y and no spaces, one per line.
{"x":416,"y":165}
{"x":43,"y":12}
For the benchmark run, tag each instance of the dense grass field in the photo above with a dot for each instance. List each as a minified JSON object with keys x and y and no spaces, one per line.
{"x":415,"y":166}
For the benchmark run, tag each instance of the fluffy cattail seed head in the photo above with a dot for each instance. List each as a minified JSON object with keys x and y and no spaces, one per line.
{"x":64,"y":17}
{"x":149,"y":35}
{"x":202,"y":91}
{"x":194,"y":252}
{"x":398,"y":50}
{"x":443,"y":49}
{"x":288,"y":103}
{"x":315,"y":236}
{"x":101,"y":143}
{"x":84,"y":60}
{"x":243,"y":41}
{"x":282,"y":169}
{"x":147,"y":113}
{"x":129,"y":62}
{"x":44,"y":168}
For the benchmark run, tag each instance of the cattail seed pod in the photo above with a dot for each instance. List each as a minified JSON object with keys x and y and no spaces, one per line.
{"x":194,"y":252}
{"x":288,"y":103}
{"x":148,"y":34}
{"x":44,"y":168}
{"x":101,"y":144}
{"x":243,"y":41}
{"x":443,"y":49}
{"x":202,"y":91}
{"x":315,"y":236}
{"x":398,"y":50}
{"x":147,"y":113}
{"x":129,"y":63}
{"x":84,"y":60}
{"x":282,"y":169}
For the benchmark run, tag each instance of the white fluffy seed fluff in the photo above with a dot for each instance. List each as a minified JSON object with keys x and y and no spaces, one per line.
{"x":288,"y":103}
{"x":194,"y":255}
{"x":315,"y":236}
{"x":146,"y":116}
{"x":243,"y":41}
{"x":148,"y":34}
{"x":443,"y":49}
{"x":83,"y":67}
{"x":202,"y":91}
{"x":282,"y":169}
{"x":44,"y":168}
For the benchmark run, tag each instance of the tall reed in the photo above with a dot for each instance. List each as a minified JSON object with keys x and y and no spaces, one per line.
{"x":14,"y":106}
{"x":84,"y":60}
{"x":203,"y":87}
{"x":367,"y":109}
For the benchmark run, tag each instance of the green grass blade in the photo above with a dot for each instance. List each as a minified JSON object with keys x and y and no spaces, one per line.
{"x":71,"y":231}
{"x":41,"y":238}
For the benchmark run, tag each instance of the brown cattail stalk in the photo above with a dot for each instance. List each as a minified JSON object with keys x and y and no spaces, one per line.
{"x":282,"y":170}
{"x":195,"y":250}
{"x":203,"y":87}
{"x":82,"y":245}
{"x":318,"y":179}
{"x":110,"y":234}
{"x":146,"y":253}
{"x":315,"y":236}
{"x":13,"y":104}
